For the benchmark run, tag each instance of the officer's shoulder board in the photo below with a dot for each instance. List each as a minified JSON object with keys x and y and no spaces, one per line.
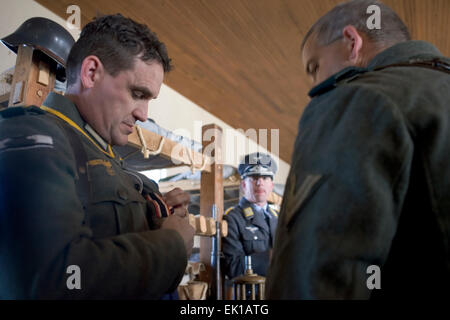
{"x":332,"y":82}
{"x":248,"y":212}
{"x":228,"y":210}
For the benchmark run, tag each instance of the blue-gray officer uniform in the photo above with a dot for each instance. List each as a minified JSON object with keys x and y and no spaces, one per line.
{"x":251,"y":229}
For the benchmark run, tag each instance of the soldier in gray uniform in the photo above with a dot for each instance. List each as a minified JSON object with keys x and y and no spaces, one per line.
{"x":366,"y":210}
{"x":252,"y":223}
{"x":66,"y":201}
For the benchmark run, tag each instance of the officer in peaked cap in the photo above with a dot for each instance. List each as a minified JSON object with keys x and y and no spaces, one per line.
{"x":257,"y":164}
{"x":252,"y":223}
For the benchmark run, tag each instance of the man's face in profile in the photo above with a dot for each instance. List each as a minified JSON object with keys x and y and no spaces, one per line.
{"x":321,"y":62}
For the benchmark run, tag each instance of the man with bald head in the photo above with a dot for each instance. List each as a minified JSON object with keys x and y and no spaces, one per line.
{"x":365,"y":212}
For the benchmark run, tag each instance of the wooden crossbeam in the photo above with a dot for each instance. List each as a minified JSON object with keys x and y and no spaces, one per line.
{"x":170,"y":150}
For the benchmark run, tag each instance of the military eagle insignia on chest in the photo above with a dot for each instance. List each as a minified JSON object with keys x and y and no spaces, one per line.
{"x":252,"y":229}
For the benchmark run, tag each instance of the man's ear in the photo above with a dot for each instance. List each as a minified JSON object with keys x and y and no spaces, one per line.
{"x":91,"y":70}
{"x":353,"y":42}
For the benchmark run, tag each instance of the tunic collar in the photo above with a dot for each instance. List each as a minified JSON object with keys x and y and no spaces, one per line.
{"x":66,"y":107}
{"x":250,"y":209}
{"x":400,"y":53}
{"x":403,"y":52}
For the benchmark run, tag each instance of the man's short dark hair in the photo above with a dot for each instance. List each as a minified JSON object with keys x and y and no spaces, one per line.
{"x":116,"y":41}
{"x":329,"y":27}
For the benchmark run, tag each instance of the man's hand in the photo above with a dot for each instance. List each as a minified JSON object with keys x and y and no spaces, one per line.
{"x":178,"y":201}
{"x":186,"y":231}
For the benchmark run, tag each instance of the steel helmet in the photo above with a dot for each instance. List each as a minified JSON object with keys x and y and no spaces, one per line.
{"x":46,"y":36}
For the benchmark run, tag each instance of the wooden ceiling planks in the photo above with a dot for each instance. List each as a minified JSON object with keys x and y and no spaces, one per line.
{"x":240,"y":59}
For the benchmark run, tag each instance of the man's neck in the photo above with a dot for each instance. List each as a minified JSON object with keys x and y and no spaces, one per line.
{"x":261,"y":204}
{"x":75,"y":98}
{"x":370,"y":51}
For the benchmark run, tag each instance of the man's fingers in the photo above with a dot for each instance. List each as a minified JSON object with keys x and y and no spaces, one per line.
{"x":177,"y":197}
{"x":181,"y":212}
{"x":183,"y":227}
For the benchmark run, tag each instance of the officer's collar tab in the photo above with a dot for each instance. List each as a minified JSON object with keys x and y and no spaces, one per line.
{"x":246,"y":207}
{"x":332,"y":81}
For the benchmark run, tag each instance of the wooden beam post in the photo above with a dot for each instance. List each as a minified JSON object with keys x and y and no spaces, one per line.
{"x":33,"y":78}
{"x":211,"y":192}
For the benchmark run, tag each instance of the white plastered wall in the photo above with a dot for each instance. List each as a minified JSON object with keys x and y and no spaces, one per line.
{"x":171,"y":110}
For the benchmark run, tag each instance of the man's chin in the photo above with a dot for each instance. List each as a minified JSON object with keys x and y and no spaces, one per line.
{"x":261,"y":199}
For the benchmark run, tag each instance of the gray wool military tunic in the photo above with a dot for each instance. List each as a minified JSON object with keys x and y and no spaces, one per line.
{"x":250,"y":233}
{"x":44,"y":228}
{"x":369,"y":185}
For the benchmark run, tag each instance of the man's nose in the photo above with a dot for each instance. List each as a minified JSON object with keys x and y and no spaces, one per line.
{"x":141,"y":111}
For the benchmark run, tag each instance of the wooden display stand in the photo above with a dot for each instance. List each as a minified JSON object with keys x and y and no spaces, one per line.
{"x":34,"y":78}
{"x":207,"y":226}
{"x":211,"y":193}
{"x":211,"y":187}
